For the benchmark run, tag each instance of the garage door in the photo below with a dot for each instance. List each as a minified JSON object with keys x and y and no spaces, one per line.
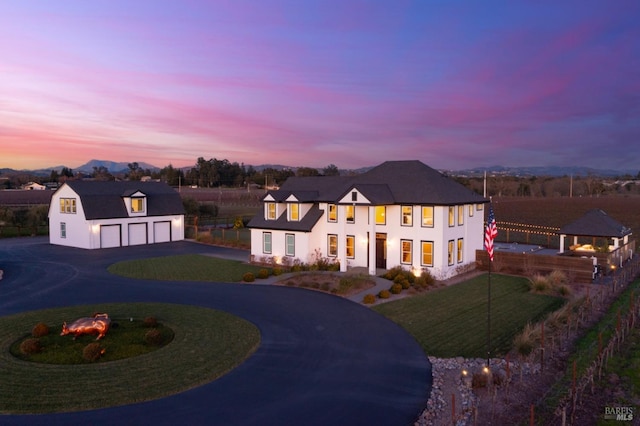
{"x":137,"y":234}
{"x":110,"y":236}
{"x":162,"y":232}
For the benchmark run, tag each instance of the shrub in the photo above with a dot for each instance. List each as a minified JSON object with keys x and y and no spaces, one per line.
{"x":564,"y":290}
{"x":30,"y":346}
{"x":325,"y":286}
{"x":153,"y":337}
{"x":263,"y":273}
{"x":92,"y":352}
{"x":396,"y":289}
{"x":424,"y":280}
{"x":150,"y":322}
{"x":248,"y":277}
{"x":392,"y":273}
{"x":276,"y":271}
{"x":384,"y":294}
{"x":369,"y":299}
{"x":40,"y":330}
{"x":540,"y":283}
{"x":558,"y":278}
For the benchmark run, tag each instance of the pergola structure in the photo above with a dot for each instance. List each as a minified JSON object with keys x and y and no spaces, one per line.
{"x":596,"y":224}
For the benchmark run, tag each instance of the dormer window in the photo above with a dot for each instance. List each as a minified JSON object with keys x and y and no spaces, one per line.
{"x":137,"y":205}
{"x":271,"y":211}
{"x":294,"y":212}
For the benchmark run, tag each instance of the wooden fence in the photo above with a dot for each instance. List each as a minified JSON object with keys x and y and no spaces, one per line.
{"x":578,"y":269}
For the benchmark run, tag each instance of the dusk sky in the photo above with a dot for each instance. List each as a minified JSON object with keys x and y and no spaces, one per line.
{"x":455,"y":84}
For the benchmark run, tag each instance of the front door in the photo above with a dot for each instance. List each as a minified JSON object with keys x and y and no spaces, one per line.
{"x":381,"y":251}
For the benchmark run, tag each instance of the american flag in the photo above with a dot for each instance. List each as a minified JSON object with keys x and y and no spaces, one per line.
{"x":490,"y":233}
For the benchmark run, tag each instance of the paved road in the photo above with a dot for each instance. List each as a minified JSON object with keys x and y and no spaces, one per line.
{"x":322,"y":360}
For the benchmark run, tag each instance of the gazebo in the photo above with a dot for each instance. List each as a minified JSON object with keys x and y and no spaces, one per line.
{"x":609,"y":239}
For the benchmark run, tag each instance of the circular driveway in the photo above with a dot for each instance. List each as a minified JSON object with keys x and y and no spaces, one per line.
{"x":323,"y":360}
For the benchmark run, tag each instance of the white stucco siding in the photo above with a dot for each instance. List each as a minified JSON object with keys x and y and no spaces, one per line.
{"x":76,"y":229}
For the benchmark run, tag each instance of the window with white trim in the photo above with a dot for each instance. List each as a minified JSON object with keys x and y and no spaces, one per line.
{"x":68,"y":205}
{"x":294,"y":212}
{"x":452,"y":216}
{"x":63,"y":230}
{"x":290,"y":245}
{"x":271,"y":211}
{"x":427,"y":253}
{"x":351,"y":246}
{"x":407,"y":216}
{"x":407,"y":251}
{"x":266,"y":242}
{"x":351,"y":213}
{"x":460,"y":249}
{"x":381,"y":215}
{"x":332,"y":245}
{"x":332,"y":216}
{"x":427,"y":216}
{"x":460,"y":215}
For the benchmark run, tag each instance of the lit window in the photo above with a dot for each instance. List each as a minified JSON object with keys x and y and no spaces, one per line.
{"x":333,"y":213}
{"x":137,"y":205}
{"x":471,"y":210}
{"x":460,"y":249}
{"x":450,"y":252}
{"x":460,"y":215}
{"x":407,"y":256}
{"x":381,"y":214}
{"x":427,"y":253}
{"x":427,"y":216}
{"x":290,"y":241}
{"x":67,"y":205}
{"x":266,"y":242}
{"x":407,"y":216}
{"x":294,"y":212}
{"x":351,"y":246}
{"x":333,"y":245}
{"x":271,"y":211}
{"x":63,"y":230}
{"x":351,"y":214}
{"x":479,"y":207}
{"x":452,"y":216}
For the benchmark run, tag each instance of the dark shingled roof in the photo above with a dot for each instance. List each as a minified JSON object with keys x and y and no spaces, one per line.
{"x":392,"y":182}
{"x":305,"y":225}
{"x":596,"y":223}
{"x":104,"y":200}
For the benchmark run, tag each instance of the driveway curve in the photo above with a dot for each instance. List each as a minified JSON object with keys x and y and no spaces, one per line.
{"x":322,"y":359}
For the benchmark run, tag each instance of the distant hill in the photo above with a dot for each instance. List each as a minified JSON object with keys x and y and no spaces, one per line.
{"x":551,"y":171}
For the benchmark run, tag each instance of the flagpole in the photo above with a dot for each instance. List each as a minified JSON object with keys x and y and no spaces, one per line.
{"x":489,"y":316}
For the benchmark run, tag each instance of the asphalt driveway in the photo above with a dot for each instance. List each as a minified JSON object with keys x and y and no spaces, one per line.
{"x":323,"y":360}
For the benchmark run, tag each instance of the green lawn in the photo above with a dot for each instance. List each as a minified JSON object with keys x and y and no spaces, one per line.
{"x":187,"y":267}
{"x":206,"y":345}
{"x":452,"y":321}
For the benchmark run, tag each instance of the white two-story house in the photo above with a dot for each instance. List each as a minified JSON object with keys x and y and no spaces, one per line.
{"x":398,"y":213}
{"x":92,"y":215}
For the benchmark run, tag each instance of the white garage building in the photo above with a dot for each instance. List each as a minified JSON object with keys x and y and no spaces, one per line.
{"x":92,"y":215}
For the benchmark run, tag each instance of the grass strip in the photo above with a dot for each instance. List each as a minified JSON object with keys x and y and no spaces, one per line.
{"x":186,"y":267}
{"x":206,"y":345}
{"x":452,"y":321}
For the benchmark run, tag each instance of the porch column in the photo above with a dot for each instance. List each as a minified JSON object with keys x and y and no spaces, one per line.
{"x":562,"y":237}
{"x":372,"y":241}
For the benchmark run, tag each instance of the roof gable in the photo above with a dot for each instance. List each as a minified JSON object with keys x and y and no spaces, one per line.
{"x":392,"y":182}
